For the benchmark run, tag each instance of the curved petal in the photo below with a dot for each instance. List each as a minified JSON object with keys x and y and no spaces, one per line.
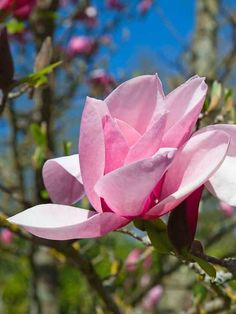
{"x":135,"y":101}
{"x":149,"y":143}
{"x":130,"y":134}
{"x":193,"y":165}
{"x":126,"y":189}
{"x":92,"y":147}
{"x":62,"y":179}
{"x":61,"y":222}
{"x":184,"y":105}
{"x":223,"y":182}
{"x":116,"y":147}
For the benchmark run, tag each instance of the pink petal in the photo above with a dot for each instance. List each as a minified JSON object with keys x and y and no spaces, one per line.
{"x":63,"y":180}
{"x":134,"y":101}
{"x":92,"y":147}
{"x":126,"y":189}
{"x":116,"y":146}
{"x":194,"y":163}
{"x":61,"y":222}
{"x":184,"y":105}
{"x":130,"y":134}
{"x":223,"y":182}
{"x":149,"y":143}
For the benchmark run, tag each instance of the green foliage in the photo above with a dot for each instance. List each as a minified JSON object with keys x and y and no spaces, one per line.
{"x":39,"y":134}
{"x":15,"y":26}
{"x":157,"y":232}
{"x":207,"y":267}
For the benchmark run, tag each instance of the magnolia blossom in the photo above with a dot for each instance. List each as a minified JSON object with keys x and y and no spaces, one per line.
{"x":226,"y":209}
{"x":144,"y":6}
{"x":19,"y":8}
{"x":101,"y":77}
{"x":152,"y":297}
{"x":6,"y":236}
{"x":134,"y":257}
{"x":138,"y":158}
{"x":88,"y":15}
{"x":81,"y":45}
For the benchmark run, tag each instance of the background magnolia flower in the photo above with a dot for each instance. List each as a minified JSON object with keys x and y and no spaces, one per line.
{"x":81,"y":45}
{"x":152,"y":297}
{"x":138,"y":158}
{"x":6,"y":236}
{"x":144,"y":6}
{"x":134,"y":258}
{"x":19,"y":8}
{"x":226,"y":209}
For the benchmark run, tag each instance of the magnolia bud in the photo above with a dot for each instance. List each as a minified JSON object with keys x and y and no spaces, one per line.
{"x":182,"y":222}
{"x":6,"y":62}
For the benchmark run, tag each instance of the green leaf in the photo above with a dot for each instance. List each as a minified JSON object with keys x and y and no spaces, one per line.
{"x":39,"y":134}
{"x":207,"y":267}
{"x":139,"y":224}
{"x":15,"y":26}
{"x":44,"y":194}
{"x":157,"y":232}
{"x":67,"y":147}
{"x":39,"y":78}
{"x":38,"y":157}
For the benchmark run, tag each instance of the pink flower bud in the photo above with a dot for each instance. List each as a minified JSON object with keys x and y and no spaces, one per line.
{"x":144,"y":6}
{"x":227,"y":209}
{"x":100,"y":77}
{"x":6,"y":236}
{"x":152,"y":297}
{"x":6,"y":61}
{"x":132,"y":259}
{"x":19,"y":8}
{"x":81,"y":45}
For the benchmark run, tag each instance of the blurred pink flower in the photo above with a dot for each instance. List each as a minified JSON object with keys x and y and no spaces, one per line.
{"x":138,"y":158}
{"x":115,"y":4}
{"x":227,"y":209}
{"x":6,"y":236}
{"x":144,"y":6}
{"x":101,"y":77}
{"x":19,"y":8}
{"x":152,"y":297}
{"x":132,"y":260}
{"x":81,"y":45}
{"x":88,"y":15}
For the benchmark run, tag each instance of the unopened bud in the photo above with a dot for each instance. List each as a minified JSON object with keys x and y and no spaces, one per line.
{"x":6,"y":62}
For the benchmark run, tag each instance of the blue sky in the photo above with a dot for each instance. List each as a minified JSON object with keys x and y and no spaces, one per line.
{"x":161,"y":34}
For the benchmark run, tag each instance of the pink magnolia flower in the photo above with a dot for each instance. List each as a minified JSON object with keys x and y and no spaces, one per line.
{"x":6,"y":236}
{"x":132,"y":259}
{"x":101,"y":77}
{"x":81,"y":45}
{"x":152,"y":297}
{"x":138,"y":158}
{"x":88,"y":15}
{"x":227,"y":209}
{"x":19,"y":8}
{"x":144,"y":6}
